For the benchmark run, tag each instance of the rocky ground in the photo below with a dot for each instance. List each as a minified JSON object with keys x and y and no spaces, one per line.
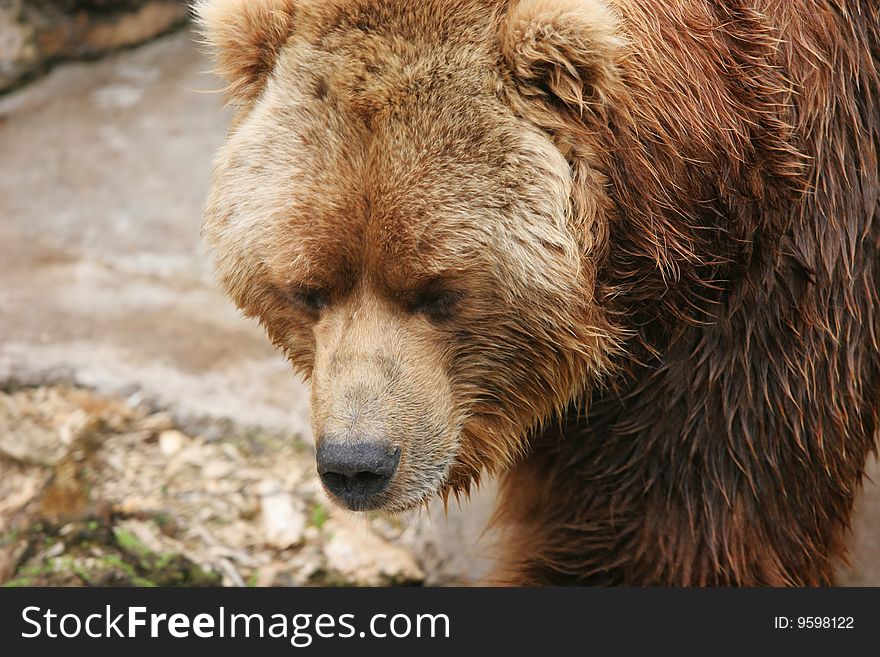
{"x":148,"y":433}
{"x":96,"y":490}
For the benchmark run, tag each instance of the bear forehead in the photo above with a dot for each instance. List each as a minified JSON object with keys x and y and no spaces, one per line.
{"x":410,"y":197}
{"x":373,"y":55}
{"x":372,"y":59}
{"x":436,"y":21}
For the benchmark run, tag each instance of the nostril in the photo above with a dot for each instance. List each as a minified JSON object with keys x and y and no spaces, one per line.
{"x":334,"y":480}
{"x":368,"y":477}
{"x":339,"y":481}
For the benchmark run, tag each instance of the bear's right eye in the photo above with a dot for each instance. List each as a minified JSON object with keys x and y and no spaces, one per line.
{"x":312,"y":300}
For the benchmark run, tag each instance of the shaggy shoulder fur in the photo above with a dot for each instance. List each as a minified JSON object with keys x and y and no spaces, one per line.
{"x":741,"y":158}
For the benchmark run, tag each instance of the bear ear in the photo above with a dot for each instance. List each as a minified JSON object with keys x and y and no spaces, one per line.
{"x":565,"y":50}
{"x":245,"y":37}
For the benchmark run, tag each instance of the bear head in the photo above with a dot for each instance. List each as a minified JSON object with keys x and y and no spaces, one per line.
{"x":399,"y":204}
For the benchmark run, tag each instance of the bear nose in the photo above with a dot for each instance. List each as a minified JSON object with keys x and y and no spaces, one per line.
{"x":356,"y":473}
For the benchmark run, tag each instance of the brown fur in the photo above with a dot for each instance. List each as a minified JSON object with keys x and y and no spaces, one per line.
{"x":622,"y":254}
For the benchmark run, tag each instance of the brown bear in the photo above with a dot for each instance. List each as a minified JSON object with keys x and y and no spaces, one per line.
{"x":621,"y":254}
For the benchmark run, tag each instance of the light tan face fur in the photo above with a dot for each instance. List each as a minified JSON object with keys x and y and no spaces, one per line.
{"x":407,"y":237}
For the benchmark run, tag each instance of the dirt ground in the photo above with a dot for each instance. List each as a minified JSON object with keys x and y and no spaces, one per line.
{"x":167,"y":442}
{"x":99,"y":490}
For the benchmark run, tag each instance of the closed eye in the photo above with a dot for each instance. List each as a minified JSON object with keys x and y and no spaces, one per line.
{"x":312,"y":300}
{"x":436,"y":305}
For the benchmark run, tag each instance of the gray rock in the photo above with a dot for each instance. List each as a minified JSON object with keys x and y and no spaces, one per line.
{"x":359,"y":556}
{"x":36,"y":33}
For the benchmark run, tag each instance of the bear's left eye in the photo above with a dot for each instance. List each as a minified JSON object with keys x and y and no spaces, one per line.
{"x":436,"y":305}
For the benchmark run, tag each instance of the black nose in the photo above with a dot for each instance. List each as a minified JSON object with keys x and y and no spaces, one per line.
{"x":356,"y":473}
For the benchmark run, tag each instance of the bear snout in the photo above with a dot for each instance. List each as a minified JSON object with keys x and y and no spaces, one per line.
{"x":356,"y":473}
